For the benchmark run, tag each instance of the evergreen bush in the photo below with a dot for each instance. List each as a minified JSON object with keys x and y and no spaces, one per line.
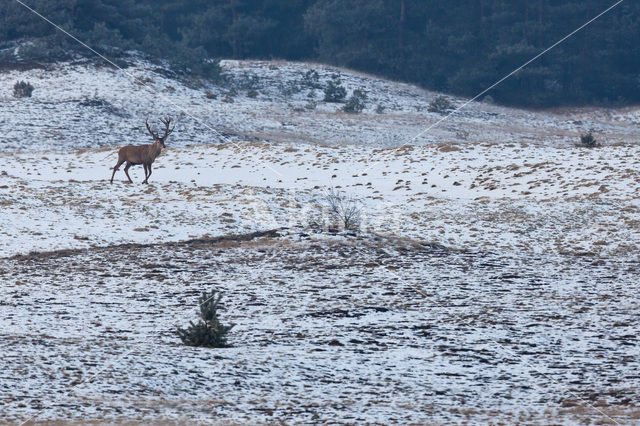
{"x":588,"y":140}
{"x":208,"y":331}
{"x":290,"y":88}
{"x":22,"y":89}
{"x":311,"y":79}
{"x":356,"y":102}
{"x":440,"y":105}
{"x":335,"y":92}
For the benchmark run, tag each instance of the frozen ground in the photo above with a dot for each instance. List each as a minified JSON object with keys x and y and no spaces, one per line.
{"x":327,"y":330}
{"x":494,"y":279}
{"x":509,"y":197}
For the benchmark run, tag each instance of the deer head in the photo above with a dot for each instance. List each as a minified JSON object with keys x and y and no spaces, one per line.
{"x":157,"y":139}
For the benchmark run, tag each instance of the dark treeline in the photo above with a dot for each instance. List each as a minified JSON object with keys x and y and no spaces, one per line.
{"x":456,"y":46}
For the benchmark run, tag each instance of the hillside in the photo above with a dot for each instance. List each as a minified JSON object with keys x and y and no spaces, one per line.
{"x":270,"y":156}
{"x":492,"y":278}
{"x":78,"y":105}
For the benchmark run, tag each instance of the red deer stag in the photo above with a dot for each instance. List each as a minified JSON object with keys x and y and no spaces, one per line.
{"x":143,"y":154}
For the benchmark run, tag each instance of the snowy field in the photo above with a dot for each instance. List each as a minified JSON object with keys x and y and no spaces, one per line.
{"x":494,"y":277}
{"x":509,"y":197}
{"x":327,"y":330}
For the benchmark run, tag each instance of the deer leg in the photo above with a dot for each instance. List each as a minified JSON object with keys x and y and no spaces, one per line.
{"x":115,"y":169}
{"x":149,"y":173}
{"x":146,"y":177}
{"x":126,"y":171}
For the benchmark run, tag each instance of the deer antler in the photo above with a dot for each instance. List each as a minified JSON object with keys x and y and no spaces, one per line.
{"x":166,"y":122}
{"x":155,"y":136}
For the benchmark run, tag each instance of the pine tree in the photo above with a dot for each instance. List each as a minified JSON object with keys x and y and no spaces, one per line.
{"x":207,"y":331}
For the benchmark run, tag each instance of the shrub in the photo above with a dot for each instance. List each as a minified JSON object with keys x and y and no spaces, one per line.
{"x":311,"y":79}
{"x":103,"y":104}
{"x":22,"y":89}
{"x":588,"y":140}
{"x":335,"y":92}
{"x":94,"y":102}
{"x":252,"y":82}
{"x":335,"y":212}
{"x":290,"y":88}
{"x":252,"y":93}
{"x":380,"y":109}
{"x":440,"y":105}
{"x":355,"y":104}
{"x":208,"y":331}
{"x":210,"y":95}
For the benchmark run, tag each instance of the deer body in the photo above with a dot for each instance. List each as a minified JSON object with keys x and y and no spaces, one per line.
{"x":142,"y":154}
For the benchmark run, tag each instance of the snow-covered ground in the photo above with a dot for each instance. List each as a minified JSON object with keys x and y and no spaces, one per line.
{"x":494,"y":277}
{"x":327,"y":330}
{"x":84,"y":106}
{"x":513,"y":197}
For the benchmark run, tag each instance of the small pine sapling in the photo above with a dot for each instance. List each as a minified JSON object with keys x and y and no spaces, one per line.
{"x":208,"y":331}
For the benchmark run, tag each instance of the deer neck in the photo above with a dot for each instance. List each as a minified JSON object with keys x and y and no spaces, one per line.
{"x":155,"y":150}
